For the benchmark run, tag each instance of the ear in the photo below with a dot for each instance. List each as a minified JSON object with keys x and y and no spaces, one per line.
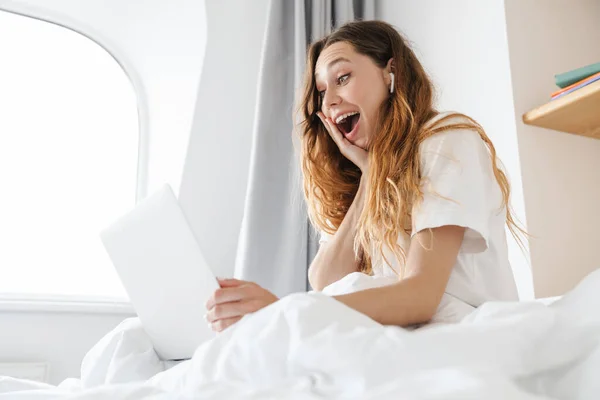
{"x":389,"y":68}
{"x":390,"y":65}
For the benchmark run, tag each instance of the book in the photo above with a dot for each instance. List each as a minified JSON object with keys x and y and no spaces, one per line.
{"x":589,"y":79}
{"x":575,"y":87}
{"x":568,"y":78}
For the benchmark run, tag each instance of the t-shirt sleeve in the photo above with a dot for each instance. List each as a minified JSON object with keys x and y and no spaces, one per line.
{"x":458,"y":186}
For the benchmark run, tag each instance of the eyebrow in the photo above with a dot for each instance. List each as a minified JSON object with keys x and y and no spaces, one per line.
{"x":333,"y":62}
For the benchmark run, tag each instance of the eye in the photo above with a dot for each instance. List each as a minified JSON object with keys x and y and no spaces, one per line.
{"x":343,"y":79}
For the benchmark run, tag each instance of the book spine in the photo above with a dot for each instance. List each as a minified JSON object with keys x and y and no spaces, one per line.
{"x":568,"y":78}
{"x":576,"y":84}
{"x":577,"y":87}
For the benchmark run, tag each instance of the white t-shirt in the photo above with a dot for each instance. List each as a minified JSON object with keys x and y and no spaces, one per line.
{"x":459,"y":188}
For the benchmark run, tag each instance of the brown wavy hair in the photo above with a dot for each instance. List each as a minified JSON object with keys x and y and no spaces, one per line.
{"x":331,"y":181}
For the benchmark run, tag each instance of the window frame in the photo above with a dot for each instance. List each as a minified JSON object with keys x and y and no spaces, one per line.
{"x":43,"y":302}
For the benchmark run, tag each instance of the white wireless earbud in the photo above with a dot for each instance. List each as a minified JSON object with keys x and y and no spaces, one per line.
{"x":392,"y":84}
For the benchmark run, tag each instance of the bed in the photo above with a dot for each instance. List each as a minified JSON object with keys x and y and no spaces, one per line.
{"x":310,"y":346}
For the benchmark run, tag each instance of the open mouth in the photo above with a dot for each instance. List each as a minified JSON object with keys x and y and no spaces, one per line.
{"x":348,"y":124}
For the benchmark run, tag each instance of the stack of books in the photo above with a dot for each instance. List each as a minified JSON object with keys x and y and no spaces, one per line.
{"x":576,"y":79}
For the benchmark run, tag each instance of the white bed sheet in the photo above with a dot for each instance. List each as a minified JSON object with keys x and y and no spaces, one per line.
{"x":309,"y":346}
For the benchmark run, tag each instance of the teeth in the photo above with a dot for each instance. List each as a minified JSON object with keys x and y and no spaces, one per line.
{"x":344,"y":116}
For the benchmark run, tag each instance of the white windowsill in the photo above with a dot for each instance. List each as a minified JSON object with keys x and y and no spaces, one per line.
{"x":63,"y":304}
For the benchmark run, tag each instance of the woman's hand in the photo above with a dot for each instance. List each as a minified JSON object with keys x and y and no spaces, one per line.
{"x":352,"y":152}
{"x":233,"y":300}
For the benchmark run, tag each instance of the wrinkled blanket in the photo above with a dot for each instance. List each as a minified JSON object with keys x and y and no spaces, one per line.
{"x":309,"y":346}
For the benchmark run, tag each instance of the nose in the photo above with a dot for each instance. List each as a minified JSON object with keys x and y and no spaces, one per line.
{"x":331,"y":99}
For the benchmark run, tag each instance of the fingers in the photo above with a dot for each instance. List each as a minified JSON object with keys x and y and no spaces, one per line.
{"x":230,"y":282}
{"x":332,"y":129}
{"x":228,"y":294}
{"x":231,"y":310}
{"x":222,"y":324}
{"x":233,"y":300}
{"x":353,"y":153}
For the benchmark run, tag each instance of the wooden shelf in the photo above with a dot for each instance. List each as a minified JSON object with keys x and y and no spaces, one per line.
{"x":577,"y":112}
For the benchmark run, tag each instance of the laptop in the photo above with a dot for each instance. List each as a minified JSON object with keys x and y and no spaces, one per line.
{"x":161,"y":266}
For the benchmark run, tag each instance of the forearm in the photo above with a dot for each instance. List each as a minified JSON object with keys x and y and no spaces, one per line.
{"x":416,"y":297}
{"x":407,"y":302}
{"x":337,"y":259}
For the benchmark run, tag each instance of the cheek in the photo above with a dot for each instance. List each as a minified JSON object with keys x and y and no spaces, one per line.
{"x":371,"y":104}
{"x":371,"y":97}
{"x":373,"y":100}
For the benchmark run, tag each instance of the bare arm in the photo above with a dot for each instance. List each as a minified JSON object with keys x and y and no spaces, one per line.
{"x":336,"y":259}
{"x":410,"y":301}
{"x":415,"y":298}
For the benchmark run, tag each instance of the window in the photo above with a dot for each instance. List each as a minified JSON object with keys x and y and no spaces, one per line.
{"x":68,"y":159}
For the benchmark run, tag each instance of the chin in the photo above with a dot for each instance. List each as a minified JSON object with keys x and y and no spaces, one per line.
{"x":362,"y":144}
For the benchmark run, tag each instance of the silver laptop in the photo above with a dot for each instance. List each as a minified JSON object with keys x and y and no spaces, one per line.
{"x":164,"y":273}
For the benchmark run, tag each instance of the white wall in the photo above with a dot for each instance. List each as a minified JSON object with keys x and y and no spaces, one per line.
{"x":561,"y":172}
{"x":215,"y":174}
{"x":221,"y":144}
{"x":160,"y":46}
{"x":60,"y":339}
{"x":467,"y":55}
{"x":463,"y":46}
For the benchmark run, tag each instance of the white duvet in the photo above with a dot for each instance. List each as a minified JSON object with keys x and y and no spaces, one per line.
{"x":309,"y":346}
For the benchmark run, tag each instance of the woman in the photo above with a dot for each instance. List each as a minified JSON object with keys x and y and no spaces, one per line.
{"x":396,"y":188}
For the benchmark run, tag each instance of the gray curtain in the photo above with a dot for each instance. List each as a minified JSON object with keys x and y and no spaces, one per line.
{"x":277,"y":243}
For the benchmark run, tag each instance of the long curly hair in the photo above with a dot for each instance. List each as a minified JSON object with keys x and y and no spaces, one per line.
{"x":330,"y":181}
